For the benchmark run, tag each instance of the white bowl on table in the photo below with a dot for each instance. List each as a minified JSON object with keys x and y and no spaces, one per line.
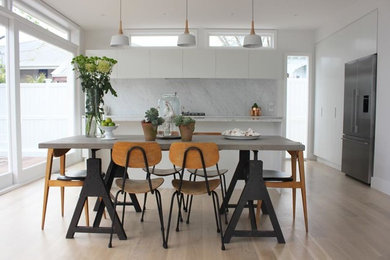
{"x":108,"y":135}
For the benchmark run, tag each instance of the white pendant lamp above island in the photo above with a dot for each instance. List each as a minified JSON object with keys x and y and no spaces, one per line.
{"x":120,"y":39}
{"x":252,"y":40}
{"x":186,"y":39}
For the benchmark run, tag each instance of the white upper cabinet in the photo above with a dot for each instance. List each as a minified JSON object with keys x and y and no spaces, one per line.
{"x":266,"y":64}
{"x":231,"y":64}
{"x":166,"y":63}
{"x":109,"y":54}
{"x":133,"y":63}
{"x":198,"y":63}
{"x":194,"y":63}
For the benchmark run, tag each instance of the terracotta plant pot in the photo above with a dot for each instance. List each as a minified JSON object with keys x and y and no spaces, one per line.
{"x":150,"y":131}
{"x":186,"y":132}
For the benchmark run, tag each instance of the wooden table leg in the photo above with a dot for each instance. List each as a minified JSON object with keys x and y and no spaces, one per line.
{"x":303,"y":187}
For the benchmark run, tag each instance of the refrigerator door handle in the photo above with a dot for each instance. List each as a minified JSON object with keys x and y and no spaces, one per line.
{"x":357,"y":141}
{"x":355,"y":110}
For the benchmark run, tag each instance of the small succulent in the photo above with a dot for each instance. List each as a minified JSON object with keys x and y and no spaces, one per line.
{"x":152,"y":116}
{"x":183,"y":120}
{"x":255,"y":105}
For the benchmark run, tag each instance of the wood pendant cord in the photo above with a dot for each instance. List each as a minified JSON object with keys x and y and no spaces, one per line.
{"x":51,"y":153}
{"x":294,"y":184}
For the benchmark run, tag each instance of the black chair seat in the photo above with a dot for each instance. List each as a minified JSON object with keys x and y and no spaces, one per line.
{"x":273,"y":175}
{"x":73,"y":176}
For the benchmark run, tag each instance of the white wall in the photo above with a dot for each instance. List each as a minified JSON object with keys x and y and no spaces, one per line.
{"x":381,"y":178}
{"x":356,"y":40}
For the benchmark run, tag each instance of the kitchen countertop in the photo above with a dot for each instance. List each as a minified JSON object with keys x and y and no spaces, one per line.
{"x":269,"y":119}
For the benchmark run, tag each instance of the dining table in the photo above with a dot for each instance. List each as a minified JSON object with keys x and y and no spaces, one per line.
{"x":249,"y":169}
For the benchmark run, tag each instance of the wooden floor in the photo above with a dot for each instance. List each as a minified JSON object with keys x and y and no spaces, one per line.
{"x":347,"y":220}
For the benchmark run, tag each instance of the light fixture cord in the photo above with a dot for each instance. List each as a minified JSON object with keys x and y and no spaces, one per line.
{"x":120,"y":17}
{"x":186,"y":9}
{"x":253,"y":12}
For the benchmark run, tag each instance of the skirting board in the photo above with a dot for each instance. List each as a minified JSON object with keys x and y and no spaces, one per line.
{"x":328,"y":163}
{"x":380,"y":185}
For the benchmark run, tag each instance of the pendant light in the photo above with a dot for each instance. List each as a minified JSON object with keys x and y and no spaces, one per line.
{"x":186,"y":39}
{"x":120,"y":39}
{"x":252,"y":40}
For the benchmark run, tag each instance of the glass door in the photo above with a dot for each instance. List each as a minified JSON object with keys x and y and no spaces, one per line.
{"x":297,"y":105}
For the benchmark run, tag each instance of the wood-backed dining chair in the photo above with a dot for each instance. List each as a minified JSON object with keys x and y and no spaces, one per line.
{"x":131,"y":155}
{"x":194,"y":156}
{"x":160,"y":173}
{"x":278,"y":179}
{"x":65,"y":179}
{"x":211,"y":173}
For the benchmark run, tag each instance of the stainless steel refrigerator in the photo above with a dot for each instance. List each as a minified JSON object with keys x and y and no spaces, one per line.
{"x":359,"y":118}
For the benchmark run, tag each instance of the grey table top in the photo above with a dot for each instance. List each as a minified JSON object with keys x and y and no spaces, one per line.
{"x":266,"y":142}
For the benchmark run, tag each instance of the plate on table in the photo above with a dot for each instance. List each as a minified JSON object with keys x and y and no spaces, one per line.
{"x":238,"y":137}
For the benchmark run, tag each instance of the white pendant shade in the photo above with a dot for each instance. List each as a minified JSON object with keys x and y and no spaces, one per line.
{"x":186,"y":40}
{"x":119,"y":40}
{"x":252,"y":41}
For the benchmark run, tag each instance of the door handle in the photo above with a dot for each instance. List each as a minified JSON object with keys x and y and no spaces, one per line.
{"x":356,"y":141}
{"x":355,"y":110}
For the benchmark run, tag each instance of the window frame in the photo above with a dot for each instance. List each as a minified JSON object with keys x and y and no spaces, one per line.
{"x":233,"y":32}
{"x":159,"y":32}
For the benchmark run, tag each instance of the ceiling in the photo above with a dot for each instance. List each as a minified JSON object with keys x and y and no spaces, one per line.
{"x":269,"y":14}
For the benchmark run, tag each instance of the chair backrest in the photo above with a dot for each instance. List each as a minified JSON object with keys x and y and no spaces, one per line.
{"x":136,"y":159}
{"x":193,"y":160}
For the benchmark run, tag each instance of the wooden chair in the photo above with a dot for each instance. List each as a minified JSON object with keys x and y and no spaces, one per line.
{"x":277,"y":179}
{"x":66,"y":179}
{"x":194,"y":156}
{"x":160,"y":173}
{"x":137,"y":155}
{"x":211,"y":173}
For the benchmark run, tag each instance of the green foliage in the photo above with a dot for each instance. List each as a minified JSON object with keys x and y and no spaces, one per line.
{"x":94,"y":73}
{"x":183,"y":120}
{"x":152,"y":116}
{"x":2,"y":73}
{"x":39,"y":79}
{"x":255,"y":105}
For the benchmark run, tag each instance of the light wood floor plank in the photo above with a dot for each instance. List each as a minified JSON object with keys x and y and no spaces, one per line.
{"x":347,"y":220}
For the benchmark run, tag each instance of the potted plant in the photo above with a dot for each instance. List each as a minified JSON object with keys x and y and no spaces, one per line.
{"x":186,"y":126}
{"x":150,"y":124}
{"x":94,"y":73}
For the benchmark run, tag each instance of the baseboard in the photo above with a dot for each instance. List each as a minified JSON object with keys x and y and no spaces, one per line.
{"x":380,"y":185}
{"x":328,"y":163}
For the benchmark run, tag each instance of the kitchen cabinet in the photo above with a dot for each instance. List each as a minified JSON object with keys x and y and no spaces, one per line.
{"x":108,"y":53}
{"x":231,"y":64}
{"x":166,"y":63}
{"x":133,"y":63}
{"x":266,"y":64}
{"x":198,"y":63}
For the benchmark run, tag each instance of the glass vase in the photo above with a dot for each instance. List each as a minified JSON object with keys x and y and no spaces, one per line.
{"x":92,"y":112}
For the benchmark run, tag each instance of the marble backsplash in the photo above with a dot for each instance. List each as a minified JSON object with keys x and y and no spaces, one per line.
{"x":215,"y":97}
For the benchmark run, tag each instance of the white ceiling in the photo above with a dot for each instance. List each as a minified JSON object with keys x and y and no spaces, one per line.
{"x":269,"y":14}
